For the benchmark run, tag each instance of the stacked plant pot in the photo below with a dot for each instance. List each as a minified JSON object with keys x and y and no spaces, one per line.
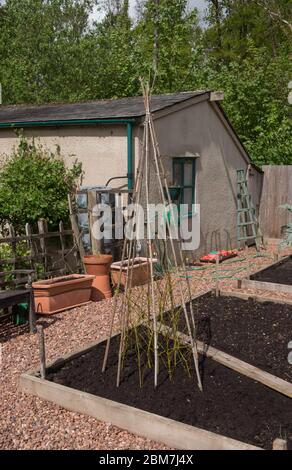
{"x":99,"y":267}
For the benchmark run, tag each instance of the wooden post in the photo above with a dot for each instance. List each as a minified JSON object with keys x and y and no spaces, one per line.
{"x":248,"y":262}
{"x":63,"y":246}
{"x":42,"y":226}
{"x":279,"y":246}
{"x":217,"y":276}
{"x":92,"y":201}
{"x":42,"y":351}
{"x":280,"y":444}
{"x":13,"y":245}
{"x":75,"y":229}
{"x":32,"y":246}
{"x":32,"y":315}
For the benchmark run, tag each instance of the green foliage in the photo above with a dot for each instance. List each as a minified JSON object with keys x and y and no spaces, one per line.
{"x":166,"y":36}
{"x":112,"y":60}
{"x":256,"y":101}
{"x":52,"y":51}
{"x":43,"y":49}
{"x":6,"y":253}
{"x":34,"y":184}
{"x":233,"y":23}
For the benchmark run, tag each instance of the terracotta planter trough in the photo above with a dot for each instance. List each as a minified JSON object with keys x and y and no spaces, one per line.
{"x":61,"y":293}
{"x":139,"y":272}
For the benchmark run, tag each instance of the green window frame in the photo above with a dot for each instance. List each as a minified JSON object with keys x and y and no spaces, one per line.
{"x":184,"y":175}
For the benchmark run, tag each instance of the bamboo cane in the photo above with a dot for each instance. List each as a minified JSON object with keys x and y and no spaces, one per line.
{"x":147,"y":160}
{"x":194,"y":347}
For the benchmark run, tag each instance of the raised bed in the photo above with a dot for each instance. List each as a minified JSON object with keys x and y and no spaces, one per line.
{"x":233,"y":412}
{"x":253,"y":330}
{"x":277,"y":277}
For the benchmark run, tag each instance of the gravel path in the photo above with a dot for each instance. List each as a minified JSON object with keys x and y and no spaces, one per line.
{"x":30,"y":423}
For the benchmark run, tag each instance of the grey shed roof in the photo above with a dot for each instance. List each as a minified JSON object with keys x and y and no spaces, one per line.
{"x":125,"y":108}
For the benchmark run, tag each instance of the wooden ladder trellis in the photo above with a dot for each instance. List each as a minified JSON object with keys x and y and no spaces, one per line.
{"x":247,"y":223}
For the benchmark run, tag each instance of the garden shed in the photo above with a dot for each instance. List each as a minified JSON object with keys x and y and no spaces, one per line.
{"x":201,"y":150}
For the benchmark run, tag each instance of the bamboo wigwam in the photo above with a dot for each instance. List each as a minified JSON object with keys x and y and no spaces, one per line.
{"x":172,"y":288}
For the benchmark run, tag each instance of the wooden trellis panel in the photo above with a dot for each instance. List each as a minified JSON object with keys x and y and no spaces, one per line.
{"x":277,"y":190}
{"x":47,"y":252}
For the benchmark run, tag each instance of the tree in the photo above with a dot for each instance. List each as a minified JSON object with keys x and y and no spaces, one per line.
{"x":43,"y":50}
{"x":248,"y":56}
{"x":166,"y":36}
{"x":256,"y":101}
{"x":112,"y":58}
{"x":233,"y":24}
{"x":50,"y":51}
{"x":278,"y":11}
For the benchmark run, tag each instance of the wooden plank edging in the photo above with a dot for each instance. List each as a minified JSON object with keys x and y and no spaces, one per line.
{"x":257,"y":298}
{"x":169,"y":432}
{"x":252,"y":372}
{"x":268,"y":286}
{"x":148,"y":425}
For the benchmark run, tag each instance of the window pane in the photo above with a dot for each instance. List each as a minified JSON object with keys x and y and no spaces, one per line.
{"x":188,"y":197}
{"x":188,"y":174}
{"x":177,"y":174}
{"x":81,"y":200}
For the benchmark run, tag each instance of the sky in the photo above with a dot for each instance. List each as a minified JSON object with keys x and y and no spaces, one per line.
{"x":200,"y":4}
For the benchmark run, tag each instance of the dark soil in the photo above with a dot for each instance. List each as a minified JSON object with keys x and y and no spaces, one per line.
{"x":64,"y":279}
{"x":230,"y":404}
{"x":257,"y":333}
{"x":279,"y":274}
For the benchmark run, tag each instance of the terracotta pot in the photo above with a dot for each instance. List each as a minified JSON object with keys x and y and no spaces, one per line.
{"x":139,"y":273}
{"x":61,"y":293}
{"x":99,"y":266}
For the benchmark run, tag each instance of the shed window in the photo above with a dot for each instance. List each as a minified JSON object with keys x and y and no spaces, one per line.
{"x":184,"y":175}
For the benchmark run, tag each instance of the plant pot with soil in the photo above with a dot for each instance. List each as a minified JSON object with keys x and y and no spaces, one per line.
{"x":99,"y":266}
{"x":138,"y":271}
{"x":61,"y":293}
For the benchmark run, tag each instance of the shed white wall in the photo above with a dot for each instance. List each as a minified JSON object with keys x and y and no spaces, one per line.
{"x":101,"y":149}
{"x":200,"y":129}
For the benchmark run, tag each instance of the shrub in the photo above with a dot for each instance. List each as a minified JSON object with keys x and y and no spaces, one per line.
{"x":34,"y":184}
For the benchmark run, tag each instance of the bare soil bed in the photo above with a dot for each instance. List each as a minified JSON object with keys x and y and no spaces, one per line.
{"x":279,"y":274}
{"x":255,"y":332}
{"x":231,"y":404}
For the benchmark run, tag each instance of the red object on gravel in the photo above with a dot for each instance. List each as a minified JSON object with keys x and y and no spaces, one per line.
{"x":223,"y":255}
